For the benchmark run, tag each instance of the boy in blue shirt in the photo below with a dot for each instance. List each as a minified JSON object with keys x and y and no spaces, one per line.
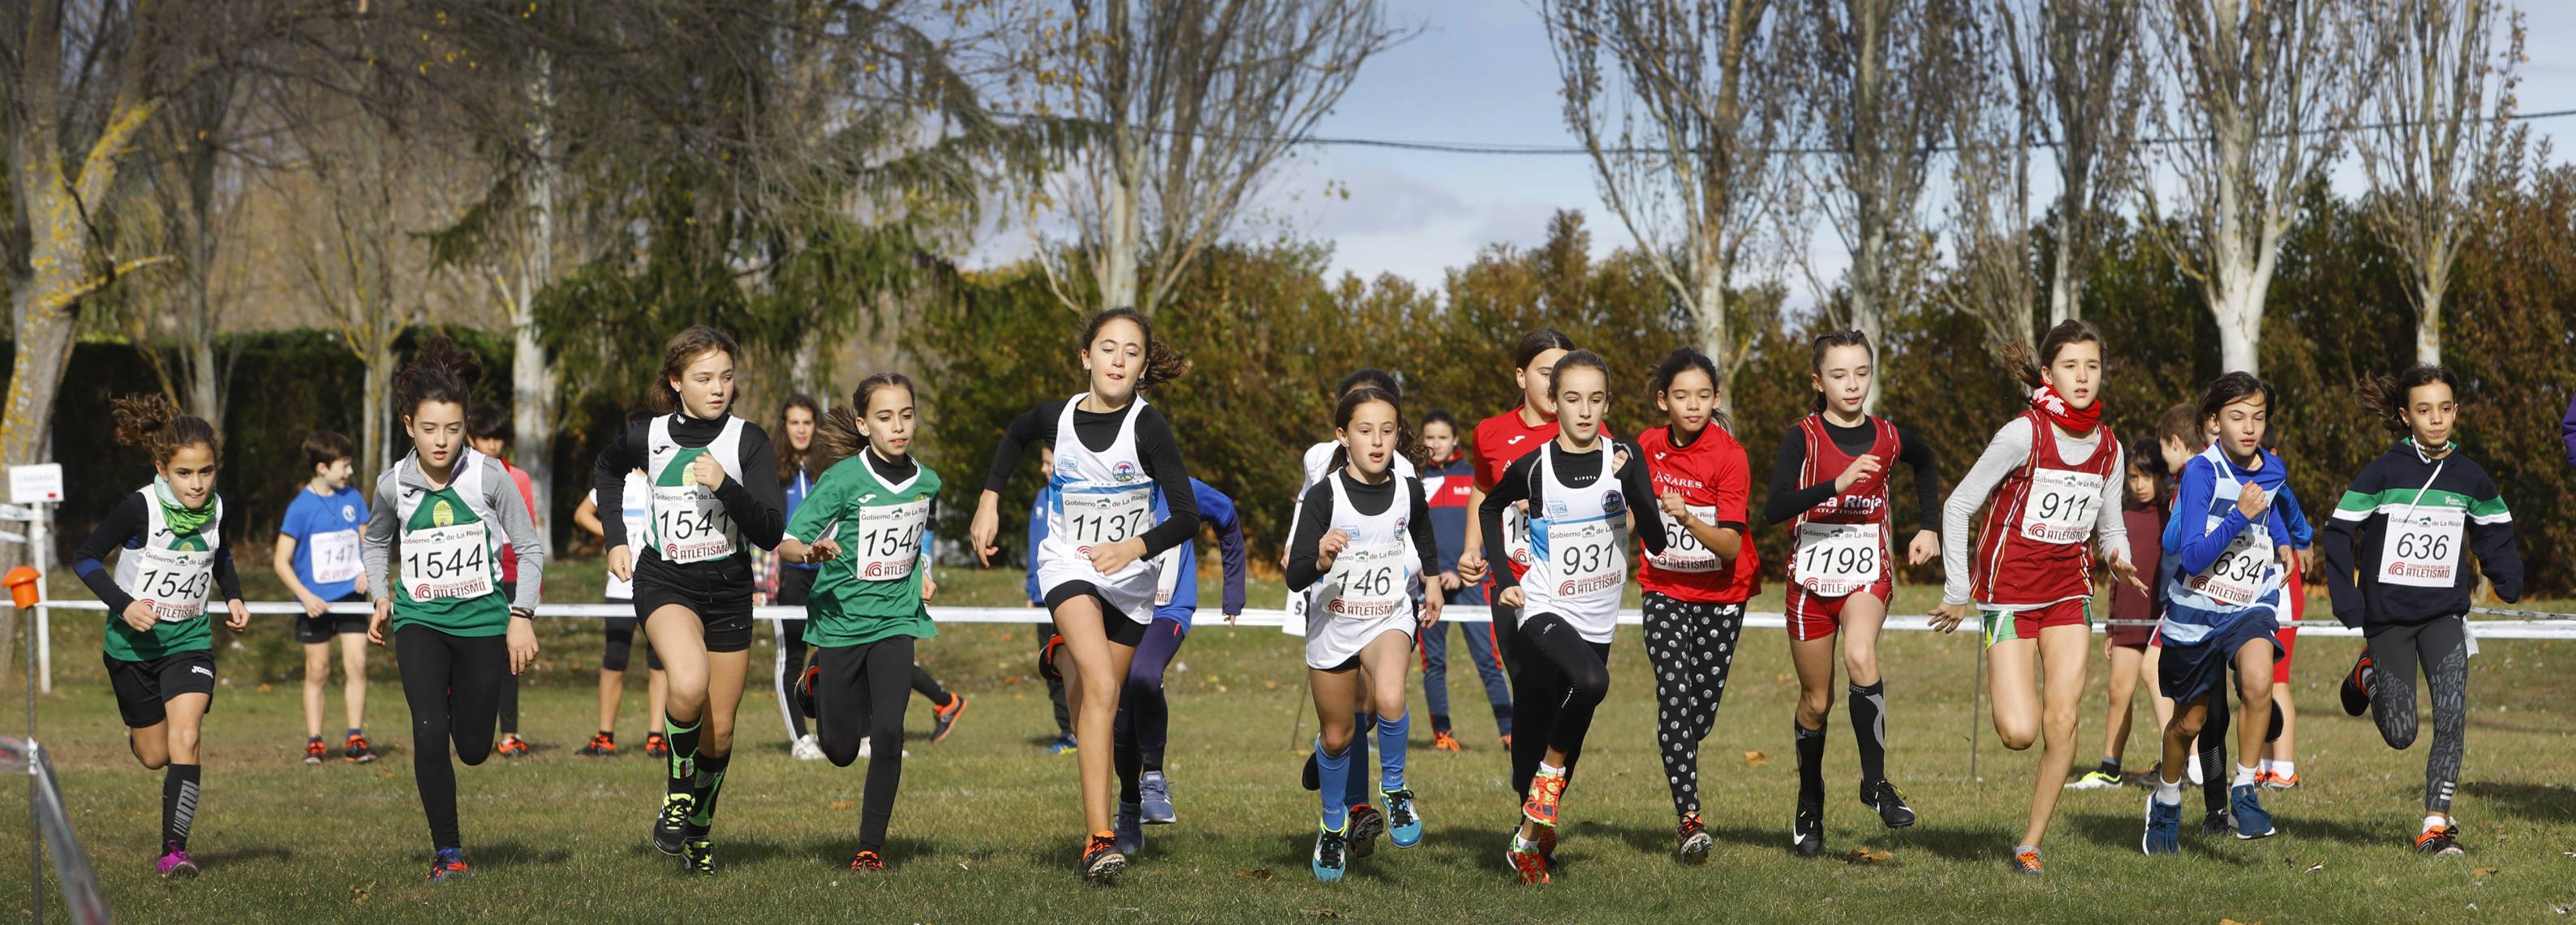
{"x":317,"y":558}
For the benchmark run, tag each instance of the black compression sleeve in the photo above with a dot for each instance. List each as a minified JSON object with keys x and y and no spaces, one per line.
{"x":1786,"y":499}
{"x":1426,"y":539}
{"x":90,"y":561}
{"x":758,"y":509}
{"x":1314,"y":512}
{"x":1512,"y":487}
{"x":1162,"y":455}
{"x":225,"y":577}
{"x":1917,"y":454}
{"x":1036,"y":426}
{"x":1641,"y":499}
{"x":608,"y":480}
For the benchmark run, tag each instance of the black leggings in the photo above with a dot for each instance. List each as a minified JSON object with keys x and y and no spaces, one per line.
{"x":2441,"y":648}
{"x":861,"y":692}
{"x":453,"y":684}
{"x":1691,"y":645}
{"x":621,"y":645}
{"x":791,"y":662}
{"x":1561,"y":678}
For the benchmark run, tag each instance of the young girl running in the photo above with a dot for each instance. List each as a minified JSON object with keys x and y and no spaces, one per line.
{"x":1695,"y":590}
{"x":1115,"y":458}
{"x":2054,"y":472}
{"x":693,"y":578}
{"x":870,"y":601}
{"x":459,"y":631}
{"x":1364,"y":539}
{"x":2227,"y":545}
{"x":798,"y":467}
{"x":169,"y":541}
{"x":2133,"y":611}
{"x":1829,"y":482}
{"x":1586,"y":494}
{"x":2402,"y":527}
{"x":1367,"y":823}
{"x":620,"y":647}
{"x":1144,"y":716}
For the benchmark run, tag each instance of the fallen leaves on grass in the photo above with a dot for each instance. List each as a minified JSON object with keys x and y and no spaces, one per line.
{"x":840,"y":805}
{"x":2235,"y":922}
{"x":1322,"y":913}
{"x":1755,"y":759}
{"x":1865,"y":856}
{"x":357,"y":895}
{"x":2313,"y":868}
{"x":2482,"y":873}
{"x":1256,"y":874}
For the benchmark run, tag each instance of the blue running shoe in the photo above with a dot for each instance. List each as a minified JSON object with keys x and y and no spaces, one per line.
{"x":2246,"y":803}
{"x":1130,"y":833}
{"x":1155,"y":793}
{"x":1403,"y":819}
{"x":1330,"y":857}
{"x":2164,"y":828}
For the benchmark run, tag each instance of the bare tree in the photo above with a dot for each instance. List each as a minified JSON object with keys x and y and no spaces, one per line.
{"x":1190,"y":105}
{"x":1887,"y":76}
{"x":1997,"y":121}
{"x":2266,"y":91}
{"x":1680,"y":103}
{"x":2438,"y":127}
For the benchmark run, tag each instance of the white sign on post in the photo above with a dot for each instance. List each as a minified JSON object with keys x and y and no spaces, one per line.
{"x":36,"y":484}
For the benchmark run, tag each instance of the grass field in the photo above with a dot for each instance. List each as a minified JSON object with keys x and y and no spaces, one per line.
{"x":987,"y":826}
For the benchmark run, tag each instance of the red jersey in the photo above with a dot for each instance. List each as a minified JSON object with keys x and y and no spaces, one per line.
{"x":1502,"y":440}
{"x":528,"y":496}
{"x":1715,"y":483}
{"x":1832,"y":558}
{"x":2034,"y":547}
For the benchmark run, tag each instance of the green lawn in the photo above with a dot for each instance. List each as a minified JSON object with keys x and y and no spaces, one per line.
{"x":987,"y":826}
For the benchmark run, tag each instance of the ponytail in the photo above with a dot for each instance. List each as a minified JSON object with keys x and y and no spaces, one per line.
{"x":2386,"y":397}
{"x":151,"y":422}
{"x":845,"y":432}
{"x":1162,"y":363}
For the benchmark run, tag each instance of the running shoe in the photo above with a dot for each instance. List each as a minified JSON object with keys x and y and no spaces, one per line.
{"x":700,"y":858}
{"x":1101,"y":861}
{"x":806,"y":748}
{"x":315,"y":751}
{"x":2025,"y":860}
{"x":1547,"y":846}
{"x":1365,"y":825}
{"x":1507,"y":742}
{"x":2438,"y":841}
{"x":356,"y":750}
{"x":2094,"y":780}
{"x":1129,"y":836}
{"x":1546,"y":791}
{"x":1046,"y":661}
{"x":1807,"y":830}
{"x":1063,"y":745}
{"x":804,"y":691}
{"x":867,"y":748}
{"x":2164,"y":828}
{"x":943,"y":719}
{"x":1403,"y":819}
{"x":671,"y":827}
{"x":175,"y":862}
{"x":2356,"y":687}
{"x":1330,"y":854}
{"x":656,"y":746}
{"x":1695,"y":840}
{"x":2244,"y":802}
{"x":1525,"y":860}
{"x":866,"y":861}
{"x":601,"y":746}
{"x":2217,"y":822}
{"x":1881,"y":797}
{"x":2278,"y":781}
{"x":1155,"y":798}
{"x":513,"y":747}
{"x":1443,"y":741}
{"x":448,"y":866}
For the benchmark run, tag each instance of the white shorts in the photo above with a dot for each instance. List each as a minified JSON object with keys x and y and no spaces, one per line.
{"x":1131,"y":595}
{"x":1332,"y":642}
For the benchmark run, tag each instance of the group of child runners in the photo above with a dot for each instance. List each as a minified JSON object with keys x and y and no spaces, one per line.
{"x":1537,"y":521}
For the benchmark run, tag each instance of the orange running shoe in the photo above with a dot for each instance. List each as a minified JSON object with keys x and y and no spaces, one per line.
{"x":943,"y":720}
{"x":356,"y":749}
{"x":655,"y":746}
{"x":1527,"y":861}
{"x":1443,"y":741}
{"x":315,"y":751}
{"x":866,"y":861}
{"x":601,"y":746}
{"x":513,"y":747}
{"x":1100,"y":858}
{"x":1545,"y":790}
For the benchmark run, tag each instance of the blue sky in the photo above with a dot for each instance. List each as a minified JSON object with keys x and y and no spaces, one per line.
{"x":1481,"y":71}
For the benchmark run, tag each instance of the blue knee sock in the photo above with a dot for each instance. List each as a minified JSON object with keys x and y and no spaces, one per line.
{"x":1334,"y":771}
{"x":1390,"y":750}
{"x":1355,"y":790}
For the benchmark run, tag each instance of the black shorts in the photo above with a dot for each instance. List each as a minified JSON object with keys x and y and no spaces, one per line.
{"x":142,"y":688}
{"x":1119,"y":629}
{"x":314,"y":630}
{"x":795,"y":585}
{"x":725,"y":613}
{"x":2189,"y":672}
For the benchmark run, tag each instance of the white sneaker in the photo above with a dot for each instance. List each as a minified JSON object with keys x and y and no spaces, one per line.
{"x":868,"y":748}
{"x":2193,"y":768}
{"x":810,"y":749}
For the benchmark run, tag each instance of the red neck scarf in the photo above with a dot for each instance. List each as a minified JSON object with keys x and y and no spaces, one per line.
{"x":2064,"y":414}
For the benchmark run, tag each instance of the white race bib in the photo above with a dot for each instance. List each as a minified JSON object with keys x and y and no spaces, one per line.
{"x":691,"y":524}
{"x":2062,"y":507}
{"x":1369,"y":582}
{"x":441,"y":563}
{"x":1516,"y":536}
{"x":2424,"y":550}
{"x":2236,"y":577}
{"x":1107,"y":517}
{"x":1586,"y":558}
{"x":175,"y":582}
{"x":889,"y":540}
{"x":1682,"y":550}
{"x":1837,"y":559}
{"x":335,"y":556}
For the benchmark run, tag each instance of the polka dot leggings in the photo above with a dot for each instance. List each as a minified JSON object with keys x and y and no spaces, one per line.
{"x":1690,"y":644}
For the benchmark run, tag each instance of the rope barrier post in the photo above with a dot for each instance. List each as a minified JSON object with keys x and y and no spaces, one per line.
{"x":1976,"y":705}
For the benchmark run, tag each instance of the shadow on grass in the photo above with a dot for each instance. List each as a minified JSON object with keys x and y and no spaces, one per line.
{"x":231,"y":856}
{"x":516,"y":854}
{"x":2534,"y":802}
